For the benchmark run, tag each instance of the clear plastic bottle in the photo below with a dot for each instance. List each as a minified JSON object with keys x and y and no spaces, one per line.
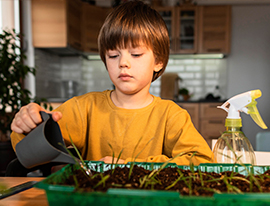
{"x":234,"y":147}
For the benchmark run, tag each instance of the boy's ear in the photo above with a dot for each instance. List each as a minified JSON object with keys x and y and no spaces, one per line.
{"x":158,"y":67}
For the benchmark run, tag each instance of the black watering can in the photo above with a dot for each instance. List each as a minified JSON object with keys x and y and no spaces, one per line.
{"x":44,"y":144}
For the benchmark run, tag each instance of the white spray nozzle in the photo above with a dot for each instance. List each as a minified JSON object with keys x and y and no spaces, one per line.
{"x":244,"y":102}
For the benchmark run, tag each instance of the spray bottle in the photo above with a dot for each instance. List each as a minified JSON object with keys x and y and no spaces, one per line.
{"x":233,"y":146}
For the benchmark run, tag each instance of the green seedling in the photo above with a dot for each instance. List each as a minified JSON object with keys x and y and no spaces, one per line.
{"x":114,"y":165}
{"x":102,"y":181}
{"x":76,"y":181}
{"x":81,"y":163}
{"x":191,"y":165}
{"x":151,"y":178}
{"x":231,"y":188}
{"x":177,"y":180}
{"x":188,"y":183}
{"x":201,"y":178}
{"x":148,"y":180}
{"x":134,"y":159}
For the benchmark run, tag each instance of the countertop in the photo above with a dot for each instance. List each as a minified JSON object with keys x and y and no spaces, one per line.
{"x":30,"y":197}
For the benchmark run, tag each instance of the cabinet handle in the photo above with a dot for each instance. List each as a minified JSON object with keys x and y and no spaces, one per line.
{"x":214,"y":50}
{"x":215,"y":121}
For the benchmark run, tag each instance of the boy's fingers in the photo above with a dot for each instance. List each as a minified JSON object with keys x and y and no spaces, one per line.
{"x":22,"y":126}
{"x":56,"y":116}
{"x":33,"y":111}
{"x":17,"y":129}
{"x":27,"y":118}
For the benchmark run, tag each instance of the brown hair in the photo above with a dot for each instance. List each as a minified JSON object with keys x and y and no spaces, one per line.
{"x":130,"y":24}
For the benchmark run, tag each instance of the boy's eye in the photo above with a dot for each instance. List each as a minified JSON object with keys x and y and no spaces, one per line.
{"x":112,"y":56}
{"x":137,"y":55}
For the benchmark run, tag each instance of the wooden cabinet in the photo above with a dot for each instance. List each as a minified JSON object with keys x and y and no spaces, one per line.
{"x":76,"y":23}
{"x":212,"y":121}
{"x":63,"y":23}
{"x":198,"y":29}
{"x":215,"y":29}
{"x":207,"y":119}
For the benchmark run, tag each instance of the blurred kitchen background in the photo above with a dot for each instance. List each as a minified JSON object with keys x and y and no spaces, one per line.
{"x":244,"y":65}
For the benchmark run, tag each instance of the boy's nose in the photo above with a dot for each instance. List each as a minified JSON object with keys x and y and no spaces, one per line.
{"x":124,"y":62}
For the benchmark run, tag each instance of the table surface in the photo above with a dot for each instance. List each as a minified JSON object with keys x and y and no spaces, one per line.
{"x":30,"y":197}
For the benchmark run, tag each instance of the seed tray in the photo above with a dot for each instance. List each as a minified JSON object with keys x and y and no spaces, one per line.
{"x":58,"y":194}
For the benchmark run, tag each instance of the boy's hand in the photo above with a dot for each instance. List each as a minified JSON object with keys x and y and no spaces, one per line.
{"x":109,"y":160}
{"x":29,"y":117}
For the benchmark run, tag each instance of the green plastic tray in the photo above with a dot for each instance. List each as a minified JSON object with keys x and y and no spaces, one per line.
{"x":65,"y":195}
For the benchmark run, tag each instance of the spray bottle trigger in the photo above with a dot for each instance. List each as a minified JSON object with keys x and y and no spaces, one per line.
{"x":255,"y":115}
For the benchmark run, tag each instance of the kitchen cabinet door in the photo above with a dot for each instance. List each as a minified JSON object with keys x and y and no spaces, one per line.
{"x":168,"y":15}
{"x":212,"y":121}
{"x":212,"y":129}
{"x":182,"y":23}
{"x":214,"y":29}
{"x":56,"y":23}
{"x":49,"y":23}
{"x":209,"y":110}
{"x":74,"y":23}
{"x":186,"y":29}
{"x":92,"y":20}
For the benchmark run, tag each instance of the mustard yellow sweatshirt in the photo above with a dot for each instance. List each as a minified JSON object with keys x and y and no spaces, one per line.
{"x":156,"y":133}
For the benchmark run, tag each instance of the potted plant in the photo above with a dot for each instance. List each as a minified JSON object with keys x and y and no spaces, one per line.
{"x":185,"y":93}
{"x":12,"y":93}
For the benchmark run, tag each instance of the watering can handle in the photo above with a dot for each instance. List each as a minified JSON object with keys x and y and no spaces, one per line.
{"x":45,"y":116}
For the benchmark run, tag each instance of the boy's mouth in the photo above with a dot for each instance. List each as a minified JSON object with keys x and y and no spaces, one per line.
{"x":125,"y":77}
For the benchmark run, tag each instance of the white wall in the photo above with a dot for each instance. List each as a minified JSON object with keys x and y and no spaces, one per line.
{"x":249,"y":61}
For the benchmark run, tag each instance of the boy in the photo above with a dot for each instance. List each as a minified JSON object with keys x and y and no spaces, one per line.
{"x":134,"y":46}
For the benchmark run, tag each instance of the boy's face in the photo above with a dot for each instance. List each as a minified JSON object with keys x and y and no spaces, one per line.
{"x":131,"y":69}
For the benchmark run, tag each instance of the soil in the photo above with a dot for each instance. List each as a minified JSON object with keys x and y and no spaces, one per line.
{"x":185,"y":182}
